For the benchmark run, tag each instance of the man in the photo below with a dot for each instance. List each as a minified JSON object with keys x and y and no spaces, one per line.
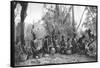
{"x":33,"y":44}
{"x":81,"y":44}
{"x":45,"y":45}
{"x":62,"y":43}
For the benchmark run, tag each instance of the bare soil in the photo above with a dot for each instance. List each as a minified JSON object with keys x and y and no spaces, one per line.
{"x":56,"y":58}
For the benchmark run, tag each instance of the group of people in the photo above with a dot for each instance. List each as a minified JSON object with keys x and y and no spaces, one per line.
{"x":52,"y":44}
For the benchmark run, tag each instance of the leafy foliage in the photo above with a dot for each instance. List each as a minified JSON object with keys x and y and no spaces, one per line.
{"x":91,"y":19}
{"x":59,"y":19}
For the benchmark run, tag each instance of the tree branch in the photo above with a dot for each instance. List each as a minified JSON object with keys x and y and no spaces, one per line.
{"x":67,"y":14}
{"x":81,"y":19}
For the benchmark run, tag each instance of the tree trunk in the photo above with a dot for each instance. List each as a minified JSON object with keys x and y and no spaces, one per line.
{"x":81,"y":19}
{"x":23,"y":15}
{"x":73,"y":22}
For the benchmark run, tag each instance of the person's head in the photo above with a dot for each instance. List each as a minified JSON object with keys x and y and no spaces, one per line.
{"x":83,"y":36}
{"x":89,"y":30}
{"x":67,"y":39}
{"x":62,"y":36}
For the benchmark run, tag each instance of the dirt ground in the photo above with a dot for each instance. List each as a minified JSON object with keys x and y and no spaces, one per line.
{"x":56,"y":58}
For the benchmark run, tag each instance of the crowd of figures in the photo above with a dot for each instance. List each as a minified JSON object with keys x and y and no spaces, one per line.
{"x":56,"y":43}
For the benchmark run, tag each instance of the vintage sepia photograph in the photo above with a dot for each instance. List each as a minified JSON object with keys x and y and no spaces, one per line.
{"x":53,"y":33}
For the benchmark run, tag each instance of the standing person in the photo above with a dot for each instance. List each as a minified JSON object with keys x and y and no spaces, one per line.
{"x":57,"y":46}
{"x":62,"y":44}
{"x":74,"y":45}
{"x":45,"y":45}
{"x":81,"y":43}
{"x":33,"y":46}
